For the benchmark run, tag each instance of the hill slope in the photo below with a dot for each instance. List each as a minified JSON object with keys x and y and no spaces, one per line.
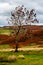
{"x":36,"y":33}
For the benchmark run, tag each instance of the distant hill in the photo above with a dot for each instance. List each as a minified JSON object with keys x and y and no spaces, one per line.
{"x":34,"y":35}
{"x":31,"y":28}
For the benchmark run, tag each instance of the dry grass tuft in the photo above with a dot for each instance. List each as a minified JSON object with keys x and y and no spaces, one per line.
{"x":21,"y":57}
{"x":12,"y":58}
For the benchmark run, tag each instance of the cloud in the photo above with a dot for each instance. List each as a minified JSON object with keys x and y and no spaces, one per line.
{"x":5,"y":9}
{"x":6,"y":6}
{"x":3,"y":23}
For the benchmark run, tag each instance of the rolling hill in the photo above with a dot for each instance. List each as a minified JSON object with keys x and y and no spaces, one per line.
{"x":34,"y":35}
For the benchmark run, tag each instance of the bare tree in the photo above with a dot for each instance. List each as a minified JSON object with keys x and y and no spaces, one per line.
{"x":19,"y":17}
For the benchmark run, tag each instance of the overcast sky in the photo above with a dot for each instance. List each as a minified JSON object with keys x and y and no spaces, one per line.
{"x":6,"y":6}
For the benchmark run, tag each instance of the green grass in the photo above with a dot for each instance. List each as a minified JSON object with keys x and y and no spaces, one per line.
{"x":31,"y":58}
{"x":5,"y":46}
{"x":5,"y":31}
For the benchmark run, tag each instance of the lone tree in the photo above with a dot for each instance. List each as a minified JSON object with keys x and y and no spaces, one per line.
{"x":19,"y":17}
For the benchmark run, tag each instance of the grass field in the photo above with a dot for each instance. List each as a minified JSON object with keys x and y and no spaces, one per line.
{"x":30,"y":58}
{"x":5,"y":31}
{"x":5,"y":46}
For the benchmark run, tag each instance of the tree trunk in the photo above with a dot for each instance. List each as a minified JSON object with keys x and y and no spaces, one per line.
{"x":16,"y":48}
{"x":16,"y":41}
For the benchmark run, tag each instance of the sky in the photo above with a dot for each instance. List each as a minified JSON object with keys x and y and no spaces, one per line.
{"x":6,"y":6}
